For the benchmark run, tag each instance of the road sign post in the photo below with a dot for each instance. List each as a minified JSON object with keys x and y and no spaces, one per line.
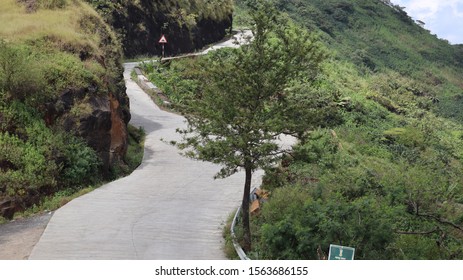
{"x":341,"y":253}
{"x":163,"y":41}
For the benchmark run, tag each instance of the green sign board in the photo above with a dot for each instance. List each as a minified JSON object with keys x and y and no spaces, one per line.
{"x":341,"y":253}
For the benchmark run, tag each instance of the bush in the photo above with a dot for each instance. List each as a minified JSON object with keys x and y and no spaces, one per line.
{"x":36,"y":160}
{"x":25,"y":168}
{"x":80,"y":164}
{"x":295,"y":225}
{"x":19,"y":74}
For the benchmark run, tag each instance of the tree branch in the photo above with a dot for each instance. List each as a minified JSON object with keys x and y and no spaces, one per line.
{"x":440,"y":220}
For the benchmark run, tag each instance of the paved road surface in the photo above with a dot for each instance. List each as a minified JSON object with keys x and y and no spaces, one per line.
{"x":239,"y":39}
{"x":169,"y":208}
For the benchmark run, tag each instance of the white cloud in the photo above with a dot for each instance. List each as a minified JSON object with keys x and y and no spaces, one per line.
{"x":442,"y":17}
{"x":458,"y":9}
{"x":425,"y":8}
{"x":432,"y":8}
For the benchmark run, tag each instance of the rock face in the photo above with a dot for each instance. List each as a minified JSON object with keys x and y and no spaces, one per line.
{"x":103,"y":124}
{"x":187,"y":27}
{"x":118,"y":131}
{"x":144,"y":41}
{"x":68,"y":82}
{"x":99,"y":114}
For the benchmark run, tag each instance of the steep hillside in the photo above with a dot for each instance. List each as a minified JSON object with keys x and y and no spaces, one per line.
{"x":61,"y":92}
{"x":376,"y":35}
{"x":387,"y":179}
{"x":188,"y":25}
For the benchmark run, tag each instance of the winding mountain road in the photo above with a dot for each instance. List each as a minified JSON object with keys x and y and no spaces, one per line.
{"x":168,"y":208}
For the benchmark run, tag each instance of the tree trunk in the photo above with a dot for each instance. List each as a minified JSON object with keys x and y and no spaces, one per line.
{"x":245,"y":210}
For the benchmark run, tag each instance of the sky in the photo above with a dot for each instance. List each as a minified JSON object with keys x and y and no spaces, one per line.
{"x":442,"y":17}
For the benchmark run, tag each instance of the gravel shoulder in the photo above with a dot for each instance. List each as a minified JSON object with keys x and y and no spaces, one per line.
{"x":18,"y":238}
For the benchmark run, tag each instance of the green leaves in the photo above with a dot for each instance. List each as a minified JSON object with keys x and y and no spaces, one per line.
{"x":248,"y":96}
{"x":387,"y":179}
{"x":19,"y":73}
{"x":295,"y":225}
{"x":36,"y":160}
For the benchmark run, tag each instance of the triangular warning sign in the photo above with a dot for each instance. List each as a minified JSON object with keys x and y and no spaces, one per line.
{"x":163,"y":40}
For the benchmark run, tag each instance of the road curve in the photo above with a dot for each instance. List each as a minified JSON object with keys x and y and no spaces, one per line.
{"x":168,"y":208}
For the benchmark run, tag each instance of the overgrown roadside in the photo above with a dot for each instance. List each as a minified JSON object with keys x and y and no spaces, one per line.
{"x":19,"y":236}
{"x":133,"y":159}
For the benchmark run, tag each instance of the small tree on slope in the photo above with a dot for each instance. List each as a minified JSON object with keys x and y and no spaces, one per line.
{"x":253,"y":94}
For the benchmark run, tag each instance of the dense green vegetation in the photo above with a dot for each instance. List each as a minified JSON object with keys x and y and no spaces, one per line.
{"x":376,"y":36}
{"x":385,"y":177}
{"x":387,"y":181}
{"x":185,"y":12}
{"x":56,"y":57}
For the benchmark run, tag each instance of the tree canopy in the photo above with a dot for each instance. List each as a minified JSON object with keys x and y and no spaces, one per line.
{"x":252,"y":95}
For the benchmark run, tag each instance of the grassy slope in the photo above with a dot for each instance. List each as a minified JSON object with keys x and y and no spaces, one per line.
{"x":62,"y":24}
{"x":48,"y":52}
{"x":378,"y":37}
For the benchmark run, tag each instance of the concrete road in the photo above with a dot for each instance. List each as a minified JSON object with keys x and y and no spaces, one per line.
{"x":241,"y":37}
{"x":169,"y":208}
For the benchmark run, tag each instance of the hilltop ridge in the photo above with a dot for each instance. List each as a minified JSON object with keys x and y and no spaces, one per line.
{"x":378,"y":36}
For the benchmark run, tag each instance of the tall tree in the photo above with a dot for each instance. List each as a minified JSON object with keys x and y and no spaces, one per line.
{"x":253,"y":94}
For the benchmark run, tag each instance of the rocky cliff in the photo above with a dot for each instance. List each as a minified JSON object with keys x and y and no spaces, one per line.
{"x":63,"y":106}
{"x":97,"y":111}
{"x":188,"y":25}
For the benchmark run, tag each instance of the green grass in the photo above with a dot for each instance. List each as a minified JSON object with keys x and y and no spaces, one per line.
{"x":54,"y":202}
{"x":159,"y":98}
{"x":135,"y":150}
{"x":240,"y":18}
{"x":228,"y":247}
{"x":61,"y":25}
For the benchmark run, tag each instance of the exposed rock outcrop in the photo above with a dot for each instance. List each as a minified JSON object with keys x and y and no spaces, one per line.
{"x":188,"y":25}
{"x":99,"y":114}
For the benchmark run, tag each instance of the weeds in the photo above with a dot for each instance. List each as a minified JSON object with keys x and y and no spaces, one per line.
{"x":54,"y":202}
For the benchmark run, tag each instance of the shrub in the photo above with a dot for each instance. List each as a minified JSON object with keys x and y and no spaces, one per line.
{"x":25,"y":168}
{"x":19,"y":75}
{"x":36,"y":160}
{"x":295,"y":225}
{"x":80,"y":164}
